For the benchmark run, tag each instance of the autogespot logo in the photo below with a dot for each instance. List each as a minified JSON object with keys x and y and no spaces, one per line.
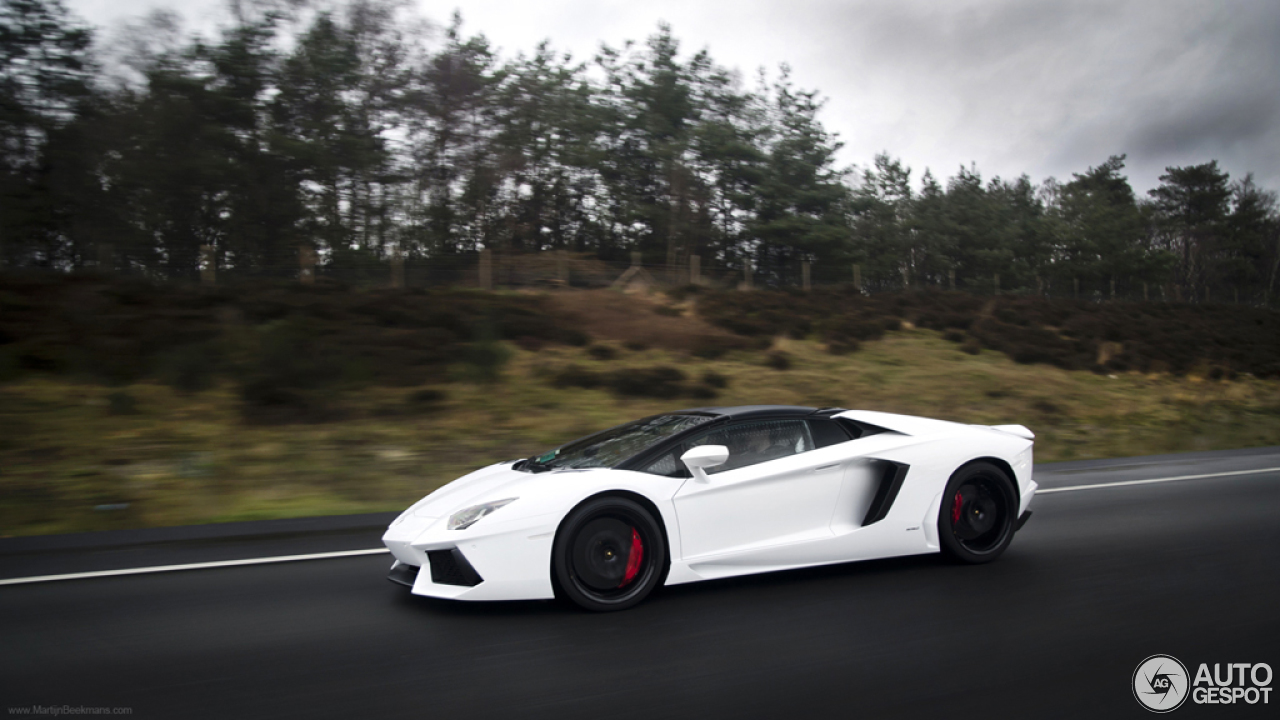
{"x":1160,"y":683}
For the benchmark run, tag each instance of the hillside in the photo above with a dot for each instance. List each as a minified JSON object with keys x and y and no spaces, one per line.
{"x":163,"y":406}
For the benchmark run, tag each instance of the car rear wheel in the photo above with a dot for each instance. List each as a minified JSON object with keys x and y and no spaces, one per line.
{"x":979,"y":508}
{"x":609,"y":554}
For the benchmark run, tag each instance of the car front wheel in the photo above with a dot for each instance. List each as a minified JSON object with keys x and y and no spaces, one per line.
{"x":609,"y":554}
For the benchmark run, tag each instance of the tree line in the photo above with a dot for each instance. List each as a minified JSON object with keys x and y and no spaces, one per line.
{"x":359,"y":131}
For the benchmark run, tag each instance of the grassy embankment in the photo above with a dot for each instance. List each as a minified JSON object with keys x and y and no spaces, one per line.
{"x":69,"y":444}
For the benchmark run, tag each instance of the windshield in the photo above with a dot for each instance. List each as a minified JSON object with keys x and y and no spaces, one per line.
{"x":612,"y":446}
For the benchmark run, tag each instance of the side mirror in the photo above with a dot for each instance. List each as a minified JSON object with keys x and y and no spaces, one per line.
{"x":704,"y":456}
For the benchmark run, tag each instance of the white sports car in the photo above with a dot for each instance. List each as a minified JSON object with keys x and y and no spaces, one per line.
{"x":711,"y":493}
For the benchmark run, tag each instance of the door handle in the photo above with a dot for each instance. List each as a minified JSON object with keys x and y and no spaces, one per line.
{"x":826,"y":467}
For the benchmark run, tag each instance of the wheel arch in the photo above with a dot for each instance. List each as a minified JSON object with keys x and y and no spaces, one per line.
{"x":1004,"y":466}
{"x":635,"y":497}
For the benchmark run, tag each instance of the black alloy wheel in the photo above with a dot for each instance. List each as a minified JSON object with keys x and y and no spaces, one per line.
{"x":609,"y":554}
{"x":979,"y":509}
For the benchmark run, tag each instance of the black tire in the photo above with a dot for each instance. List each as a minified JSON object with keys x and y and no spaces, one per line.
{"x":593,"y":554}
{"x":978,"y":514}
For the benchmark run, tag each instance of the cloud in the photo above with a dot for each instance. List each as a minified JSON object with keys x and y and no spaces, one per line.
{"x":1015,"y":86}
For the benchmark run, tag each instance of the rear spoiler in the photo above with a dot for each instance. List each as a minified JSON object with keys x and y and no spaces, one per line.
{"x":1018,"y":430}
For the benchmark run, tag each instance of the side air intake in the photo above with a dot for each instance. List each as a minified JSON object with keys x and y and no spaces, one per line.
{"x":886,"y":492}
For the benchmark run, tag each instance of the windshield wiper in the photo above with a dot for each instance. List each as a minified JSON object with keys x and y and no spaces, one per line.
{"x":533,"y":466}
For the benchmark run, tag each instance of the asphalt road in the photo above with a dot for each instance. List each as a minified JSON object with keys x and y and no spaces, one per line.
{"x":1098,"y":580}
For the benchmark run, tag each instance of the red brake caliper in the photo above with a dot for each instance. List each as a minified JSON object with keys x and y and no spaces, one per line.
{"x":955,"y":509}
{"x":633,"y":560}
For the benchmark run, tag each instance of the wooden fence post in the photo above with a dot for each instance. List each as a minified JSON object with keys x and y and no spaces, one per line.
{"x":562,"y":267}
{"x":106,"y":258}
{"x":804,"y":275}
{"x":746,"y":274}
{"x":995,"y":283}
{"x":397,"y":268}
{"x":1144,"y":292}
{"x":951,"y":275}
{"x":1076,"y":283}
{"x":1113,"y":288}
{"x":208,"y":265}
{"x":306,"y":264}
{"x":857,"y":277}
{"x":906,"y":278}
{"x":695,"y":269}
{"x":486,"y":269}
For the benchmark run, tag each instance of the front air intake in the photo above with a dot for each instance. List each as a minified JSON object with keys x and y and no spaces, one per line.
{"x":450,"y":567}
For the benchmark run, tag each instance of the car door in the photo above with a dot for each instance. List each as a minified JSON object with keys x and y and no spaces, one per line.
{"x":772,"y":490}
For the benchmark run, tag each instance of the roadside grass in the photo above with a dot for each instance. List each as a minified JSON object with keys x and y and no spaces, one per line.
{"x":78,"y":456}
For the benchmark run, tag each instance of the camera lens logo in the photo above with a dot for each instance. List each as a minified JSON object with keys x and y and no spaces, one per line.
{"x":1160,"y":683}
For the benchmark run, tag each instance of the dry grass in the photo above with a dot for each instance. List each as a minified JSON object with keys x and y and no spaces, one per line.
{"x":186,"y":459}
{"x":611,"y":315}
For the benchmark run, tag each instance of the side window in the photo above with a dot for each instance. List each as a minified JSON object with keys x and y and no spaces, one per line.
{"x":667,"y":466}
{"x":751,"y":442}
{"x":827,"y":432}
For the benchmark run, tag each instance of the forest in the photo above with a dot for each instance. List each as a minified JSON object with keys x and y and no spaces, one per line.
{"x":360,"y":131}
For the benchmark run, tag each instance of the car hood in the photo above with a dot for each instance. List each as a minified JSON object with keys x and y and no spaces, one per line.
{"x":495,"y":482}
{"x":469,"y":489}
{"x":537,"y":492}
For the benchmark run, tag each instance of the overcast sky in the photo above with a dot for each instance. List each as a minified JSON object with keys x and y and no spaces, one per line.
{"x":1044,"y":88}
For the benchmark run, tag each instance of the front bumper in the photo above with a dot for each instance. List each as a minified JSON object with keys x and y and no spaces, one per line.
{"x":490,"y":561}
{"x":402,"y":574}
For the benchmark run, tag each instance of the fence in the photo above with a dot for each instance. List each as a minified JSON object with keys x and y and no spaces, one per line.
{"x":487,"y":269}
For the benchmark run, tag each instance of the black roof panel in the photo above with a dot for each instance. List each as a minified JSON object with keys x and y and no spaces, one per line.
{"x":744,"y":411}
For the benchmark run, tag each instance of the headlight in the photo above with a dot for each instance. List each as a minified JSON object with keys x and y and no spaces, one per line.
{"x":464,"y":519}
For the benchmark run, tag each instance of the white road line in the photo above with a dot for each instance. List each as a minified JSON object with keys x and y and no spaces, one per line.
{"x":382,"y":551}
{"x":1153,"y":481}
{"x":193,"y":566}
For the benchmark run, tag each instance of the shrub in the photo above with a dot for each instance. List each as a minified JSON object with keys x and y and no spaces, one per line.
{"x":573,"y":336}
{"x":9,"y":368}
{"x":529,"y":343}
{"x":486,"y":356}
{"x":576,"y":376}
{"x":428,"y":396}
{"x":661,"y":381}
{"x":714,"y":379}
{"x":190,"y":368}
{"x":684,"y":291}
{"x":778,"y":361}
{"x":843,"y":347}
{"x":285,"y":371}
{"x":708,"y":349}
{"x":1046,"y":406}
{"x":289,"y":355}
{"x":122,"y":403}
{"x":703,"y":392}
{"x":602,"y":352}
